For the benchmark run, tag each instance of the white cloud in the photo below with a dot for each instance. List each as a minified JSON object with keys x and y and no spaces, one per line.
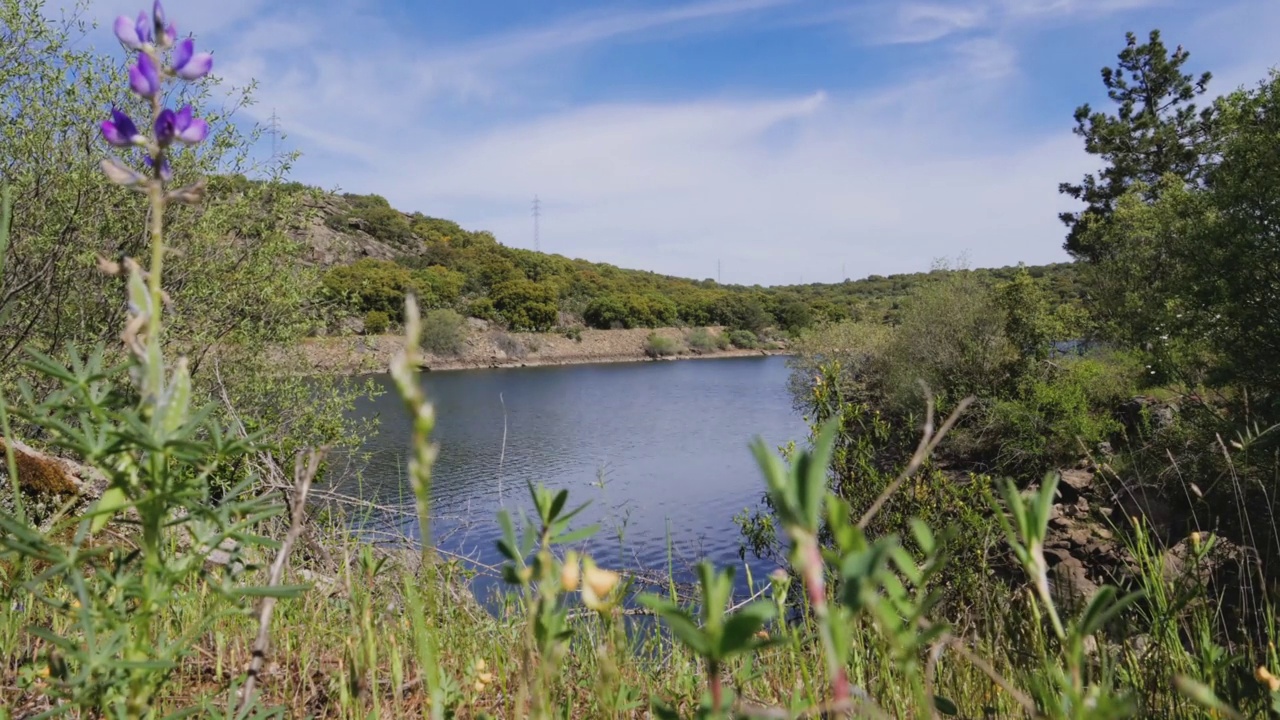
{"x":776,"y":184}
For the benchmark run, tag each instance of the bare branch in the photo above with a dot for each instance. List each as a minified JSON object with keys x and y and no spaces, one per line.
{"x":304,"y":474}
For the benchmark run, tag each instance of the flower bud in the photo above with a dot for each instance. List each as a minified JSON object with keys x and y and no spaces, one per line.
{"x":570,"y":571}
{"x":118,"y":173}
{"x":601,"y":581}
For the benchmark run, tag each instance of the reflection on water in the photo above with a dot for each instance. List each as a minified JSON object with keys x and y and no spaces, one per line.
{"x":660,"y":450}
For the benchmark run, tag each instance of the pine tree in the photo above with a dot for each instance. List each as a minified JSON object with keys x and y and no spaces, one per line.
{"x":1155,"y":131}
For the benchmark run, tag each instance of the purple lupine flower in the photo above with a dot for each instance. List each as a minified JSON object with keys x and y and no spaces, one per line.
{"x":133,"y":34}
{"x":189,"y":129}
{"x":189,"y":64}
{"x":165,"y":129}
{"x":120,"y":130}
{"x":143,"y":77}
{"x":157,"y":15}
{"x":166,"y":172}
{"x":170,"y":35}
{"x":182,"y":126}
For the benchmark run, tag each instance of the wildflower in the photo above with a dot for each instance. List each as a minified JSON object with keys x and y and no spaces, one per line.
{"x":120,"y":130}
{"x":117,"y":173}
{"x":133,"y":34}
{"x":597,"y":585}
{"x":601,"y":581}
{"x":1195,"y":539}
{"x":144,"y":78}
{"x":180,"y":126}
{"x":570,"y":572}
{"x":189,"y":64}
{"x":166,"y":172}
{"x":164,"y":34}
{"x":762,"y":635}
{"x":479,"y":686}
{"x":481,"y":664}
{"x":1265,"y":677}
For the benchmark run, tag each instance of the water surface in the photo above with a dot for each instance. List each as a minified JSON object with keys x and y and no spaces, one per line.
{"x":660,"y":449}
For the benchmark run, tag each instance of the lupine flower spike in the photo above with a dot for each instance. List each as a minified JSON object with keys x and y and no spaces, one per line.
{"x":189,"y":64}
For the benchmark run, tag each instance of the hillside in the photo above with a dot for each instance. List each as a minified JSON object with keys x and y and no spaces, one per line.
{"x":372,"y":255}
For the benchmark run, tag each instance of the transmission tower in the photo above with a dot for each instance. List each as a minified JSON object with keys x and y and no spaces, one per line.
{"x":273,"y":129}
{"x":537,"y":221}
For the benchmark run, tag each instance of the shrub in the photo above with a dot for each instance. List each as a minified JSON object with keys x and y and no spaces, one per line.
{"x":656,"y":346}
{"x":370,"y":284}
{"x":573,"y":333}
{"x":795,"y":316}
{"x":630,"y":311}
{"x":526,"y":305}
{"x":744,"y":339}
{"x":509,"y":345}
{"x":376,"y":322}
{"x":444,"y":332}
{"x":700,"y":340}
{"x":483,"y":309}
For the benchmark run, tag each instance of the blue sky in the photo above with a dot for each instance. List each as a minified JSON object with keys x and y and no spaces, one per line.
{"x":784,"y":138}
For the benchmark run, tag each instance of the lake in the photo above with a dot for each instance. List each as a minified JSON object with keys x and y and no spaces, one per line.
{"x":660,"y":449}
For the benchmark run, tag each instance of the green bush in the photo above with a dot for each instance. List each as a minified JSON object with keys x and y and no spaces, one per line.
{"x":526,"y":305}
{"x":483,"y":309}
{"x":701,"y":340}
{"x":656,"y":346}
{"x":444,"y":332}
{"x":573,"y":333}
{"x":743,"y":339}
{"x":1062,"y":412}
{"x":376,"y":322}
{"x":370,"y":284}
{"x":632,"y":310}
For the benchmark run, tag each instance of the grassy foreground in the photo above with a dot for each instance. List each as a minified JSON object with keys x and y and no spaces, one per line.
{"x":382,"y":635}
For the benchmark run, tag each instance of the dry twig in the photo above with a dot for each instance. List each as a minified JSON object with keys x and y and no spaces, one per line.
{"x":304,"y":474}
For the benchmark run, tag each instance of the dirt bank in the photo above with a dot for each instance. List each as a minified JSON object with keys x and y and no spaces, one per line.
{"x":486,"y":348}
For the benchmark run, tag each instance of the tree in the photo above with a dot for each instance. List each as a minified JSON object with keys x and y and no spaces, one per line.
{"x":526,"y":305}
{"x":1155,"y":131}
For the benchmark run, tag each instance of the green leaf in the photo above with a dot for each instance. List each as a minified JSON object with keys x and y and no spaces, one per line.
{"x":111,"y":502}
{"x":558,"y":504}
{"x":1202,"y":695}
{"x":740,"y":628}
{"x":576,"y":535}
{"x":275,"y":591}
{"x":682,"y":626}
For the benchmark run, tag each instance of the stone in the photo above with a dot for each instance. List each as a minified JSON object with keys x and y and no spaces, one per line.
{"x":1074,"y":483}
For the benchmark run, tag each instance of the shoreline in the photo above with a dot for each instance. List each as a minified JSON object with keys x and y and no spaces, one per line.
{"x":606,"y":360}
{"x":485,"y":349}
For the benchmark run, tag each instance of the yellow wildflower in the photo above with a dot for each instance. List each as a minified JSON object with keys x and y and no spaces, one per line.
{"x":570,"y":572}
{"x":1265,"y":677}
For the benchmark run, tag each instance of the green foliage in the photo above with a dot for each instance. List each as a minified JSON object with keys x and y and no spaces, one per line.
{"x":743,"y":339}
{"x":376,"y":322}
{"x":630,"y":311}
{"x":372,"y":285}
{"x":703,"y":341}
{"x":1156,"y":131}
{"x":444,"y":332}
{"x":1062,"y":410}
{"x":795,"y":316}
{"x":526,"y":305}
{"x":657,"y":346}
{"x":374,"y":215}
{"x":483,"y":309}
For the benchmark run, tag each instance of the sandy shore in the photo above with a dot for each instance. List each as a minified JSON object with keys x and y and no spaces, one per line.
{"x":353,"y":355}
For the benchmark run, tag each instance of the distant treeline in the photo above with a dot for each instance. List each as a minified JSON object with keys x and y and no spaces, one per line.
{"x":447,"y":266}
